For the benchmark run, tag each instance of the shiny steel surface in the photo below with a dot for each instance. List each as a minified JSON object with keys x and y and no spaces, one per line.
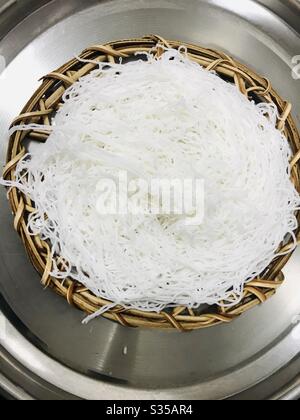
{"x":44,"y":337}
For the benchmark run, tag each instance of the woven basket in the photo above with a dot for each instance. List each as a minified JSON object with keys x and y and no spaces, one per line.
{"x":45,"y":102}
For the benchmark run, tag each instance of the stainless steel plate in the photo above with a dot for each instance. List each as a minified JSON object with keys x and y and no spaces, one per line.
{"x":43,"y":345}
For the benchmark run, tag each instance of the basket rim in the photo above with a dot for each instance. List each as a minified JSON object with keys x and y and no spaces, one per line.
{"x":46,"y":100}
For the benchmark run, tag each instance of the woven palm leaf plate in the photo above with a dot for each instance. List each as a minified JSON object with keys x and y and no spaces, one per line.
{"x":40,"y":110}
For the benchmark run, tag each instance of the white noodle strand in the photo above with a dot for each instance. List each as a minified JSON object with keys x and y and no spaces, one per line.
{"x":166,"y":118}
